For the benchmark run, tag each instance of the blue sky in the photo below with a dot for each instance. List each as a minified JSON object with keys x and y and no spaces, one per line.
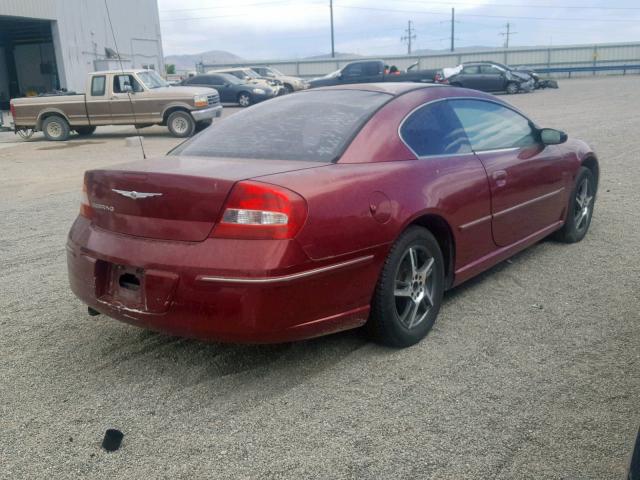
{"x":281,"y":29}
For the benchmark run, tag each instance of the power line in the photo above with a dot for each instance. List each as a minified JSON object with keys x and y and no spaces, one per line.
{"x":425,"y":12}
{"x":410,"y":35}
{"x":515,"y":5}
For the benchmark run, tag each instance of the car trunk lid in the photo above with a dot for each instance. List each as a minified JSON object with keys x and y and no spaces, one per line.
{"x":172,"y":198}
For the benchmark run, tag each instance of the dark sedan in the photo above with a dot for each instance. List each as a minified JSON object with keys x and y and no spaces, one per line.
{"x":490,"y":77}
{"x":326,"y":210}
{"x":232,"y":89}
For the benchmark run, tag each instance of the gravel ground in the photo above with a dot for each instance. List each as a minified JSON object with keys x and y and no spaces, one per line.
{"x":532,"y":370}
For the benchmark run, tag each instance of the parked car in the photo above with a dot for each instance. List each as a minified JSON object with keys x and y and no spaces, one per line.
{"x":231,"y":89}
{"x":326,"y":210}
{"x":291,"y":84}
{"x":366,"y":71}
{"x":249,"y":76}
{"x":488,"y":77}
{"x":134,"y":97}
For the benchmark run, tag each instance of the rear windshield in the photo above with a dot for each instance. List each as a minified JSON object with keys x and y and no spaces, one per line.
{"x":314,"y":126}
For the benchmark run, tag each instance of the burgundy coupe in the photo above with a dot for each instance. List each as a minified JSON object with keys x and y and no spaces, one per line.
{"x":326,"y":210}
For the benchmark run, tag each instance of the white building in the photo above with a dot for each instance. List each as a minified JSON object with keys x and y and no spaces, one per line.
{"x":51,"y":44}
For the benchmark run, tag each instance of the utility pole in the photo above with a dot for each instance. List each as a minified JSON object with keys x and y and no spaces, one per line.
{"x":333,"y":50}
{"x":507,"y":34}
{"x":453,"y":29}
{"x":409,"y":36}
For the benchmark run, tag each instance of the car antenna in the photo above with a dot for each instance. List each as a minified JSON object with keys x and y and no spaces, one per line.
{"x":133,"y":110}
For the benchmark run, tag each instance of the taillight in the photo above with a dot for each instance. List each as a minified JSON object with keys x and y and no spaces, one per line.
{"x":257,"y":210}
{"x":85,"y":205}
{"x":12,"y":107}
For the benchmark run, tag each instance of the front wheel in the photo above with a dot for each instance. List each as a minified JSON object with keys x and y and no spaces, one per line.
{"x":55,"y":128}
{"x":181,"y":124}
{"x":580,"y":208}
{"x":409,"y":291}
{"x":512,"y":88}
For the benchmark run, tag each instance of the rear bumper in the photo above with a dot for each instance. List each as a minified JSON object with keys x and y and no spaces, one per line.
{"x":207,"y":113}
{"x":254,"y":291}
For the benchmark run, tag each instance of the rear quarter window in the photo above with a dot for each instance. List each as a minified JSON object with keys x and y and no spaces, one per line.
{"x":315,"y":126}
{"x":97,"y":85}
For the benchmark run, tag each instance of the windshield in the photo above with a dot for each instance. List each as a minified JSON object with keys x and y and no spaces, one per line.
{"x":250,"y":74}
{"x":152,"y":79}
{"x":275,"y":72}
{"x":314,"y":126}
{"x":333,"y":74}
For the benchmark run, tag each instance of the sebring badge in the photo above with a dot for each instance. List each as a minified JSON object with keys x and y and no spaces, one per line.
{"x":135,"y":195}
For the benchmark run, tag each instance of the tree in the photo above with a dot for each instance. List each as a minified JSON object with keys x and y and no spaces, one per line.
{"x":170,"y":68}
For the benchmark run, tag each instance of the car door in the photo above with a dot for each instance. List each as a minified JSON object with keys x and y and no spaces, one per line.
{"x":469,"y":77}
{"x":353,"y":73}
{"x":527,"y":179}
{"x":123,"y":104}
{"x":453,"y":178}
{"x":224,"y":88}
{"x":492,"y":78}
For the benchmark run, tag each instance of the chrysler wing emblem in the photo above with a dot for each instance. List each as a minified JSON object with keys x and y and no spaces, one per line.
{"x":135,"y":195}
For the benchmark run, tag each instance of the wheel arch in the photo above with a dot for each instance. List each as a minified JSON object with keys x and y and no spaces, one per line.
{"x":174,"y":108}
{"x":443,"y":233}
{"x":591,"y":162}
{"x":51,"y":112}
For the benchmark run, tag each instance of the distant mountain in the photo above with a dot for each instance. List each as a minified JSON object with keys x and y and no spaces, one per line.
{"x":188,"y":62}
{"x":328,"y":55}
{"x":427,"y":51}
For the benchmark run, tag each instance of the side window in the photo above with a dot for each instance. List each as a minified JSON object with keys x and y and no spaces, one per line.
{"x":491,"y":126}
{"x":372,"y":68}
{"x":489,"y":70}
{"x":214,"y":80}
{"x":471,"y":70}
{"x":354,"y":70}
{"x":435,"y":130}
{"x":97,"y":86}
{"x":120,"y":81}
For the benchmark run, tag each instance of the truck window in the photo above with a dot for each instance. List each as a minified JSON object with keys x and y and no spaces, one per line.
{"x":353,"y":70}
{"x":98,"y":83}
{"x":372,"y":68}
{"x":119,"y":82}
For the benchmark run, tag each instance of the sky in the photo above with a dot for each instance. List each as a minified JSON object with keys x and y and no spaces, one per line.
{"x":287,"y":29}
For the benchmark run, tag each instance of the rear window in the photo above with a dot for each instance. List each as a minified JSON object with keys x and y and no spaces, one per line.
{"x":97,"y":86}
{"x":314,"y":126}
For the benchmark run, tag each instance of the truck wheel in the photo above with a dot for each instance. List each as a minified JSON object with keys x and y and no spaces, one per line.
{"x":55,"y":128}
{"x":181,"y":124}
{"x":512,"y":88}
{"x":85,"y":131}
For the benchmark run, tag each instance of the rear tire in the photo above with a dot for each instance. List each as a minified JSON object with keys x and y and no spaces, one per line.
{"x":181,"y":124}
{"x":288,"y":88}
{"x":512,"y":88}
{"x":409,"y":291}
{"x":580,"y":208}
{"x":55,"y":128}
{"x":85,"y":131}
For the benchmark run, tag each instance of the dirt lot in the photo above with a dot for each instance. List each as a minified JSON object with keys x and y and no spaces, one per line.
{"x":532,"y":371}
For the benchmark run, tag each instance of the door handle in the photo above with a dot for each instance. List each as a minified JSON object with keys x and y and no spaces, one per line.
{"x":500,"y":177}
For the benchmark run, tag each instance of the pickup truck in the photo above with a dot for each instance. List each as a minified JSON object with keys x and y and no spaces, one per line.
{"x":368,"y":71}
{"x":130,"y":97}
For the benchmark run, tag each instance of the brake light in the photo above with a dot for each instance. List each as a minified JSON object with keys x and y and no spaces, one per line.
{"x":85,"y":205}
{"x":12,"y":107}
{"x":257,"y":210}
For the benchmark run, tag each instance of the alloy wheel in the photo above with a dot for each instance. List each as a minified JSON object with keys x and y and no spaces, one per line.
{"x":244,"y":100}
{"x":583,"y":203}
{"x":54,"y":129}
{"x":414,"y":286}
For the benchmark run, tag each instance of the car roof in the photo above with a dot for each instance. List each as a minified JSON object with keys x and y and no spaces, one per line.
{"x":392,"y":88}
{"x":126,"y":71}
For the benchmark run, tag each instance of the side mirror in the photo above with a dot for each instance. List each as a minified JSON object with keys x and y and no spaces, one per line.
{"x":127,"y":89}
{"x":551,"y":136}
{"x":340,"y":75}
